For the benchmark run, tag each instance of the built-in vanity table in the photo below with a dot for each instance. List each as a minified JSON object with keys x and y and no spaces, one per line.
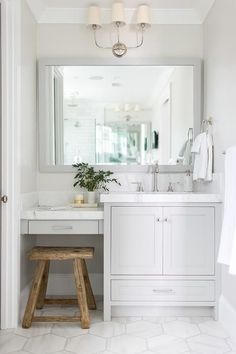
{"x":160,"y":249}
{"x":56,"y":221}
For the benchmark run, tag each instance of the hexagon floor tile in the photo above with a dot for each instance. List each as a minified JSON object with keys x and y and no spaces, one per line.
{"x":165,"y":344}
{"x":181,"y":329}
{"x":207,"y":344}
{"x":126,"y":344}
{"x":107,"y":329}
{"x":213,"y":328}
{"x":86,"y":344}
{"x":45,"y":344}
{"x":70,"y":330}
{"x":35,"y":330}
{"x":11,"y":343}
{"x":123,"y":335}
{"x":144,"y":329}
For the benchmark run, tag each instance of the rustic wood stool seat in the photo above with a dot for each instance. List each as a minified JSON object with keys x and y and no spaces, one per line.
{"x":37,"y":297}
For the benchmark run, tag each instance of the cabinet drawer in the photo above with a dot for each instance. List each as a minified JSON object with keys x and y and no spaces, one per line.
{"x":162,"y":290}
{"x":58,"y":227}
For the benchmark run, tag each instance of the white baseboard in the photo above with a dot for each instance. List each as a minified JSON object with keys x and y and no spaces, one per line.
{"x":64,"y":284}
{"x":227,"y":316}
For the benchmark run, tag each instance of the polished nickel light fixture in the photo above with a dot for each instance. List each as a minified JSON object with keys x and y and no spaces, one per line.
{"x":119,"y":49}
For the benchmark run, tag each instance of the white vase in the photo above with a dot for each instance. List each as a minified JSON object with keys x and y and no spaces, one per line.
{"x":91,"y":197}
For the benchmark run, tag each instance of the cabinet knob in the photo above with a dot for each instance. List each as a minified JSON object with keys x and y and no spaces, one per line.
{"x":158,"y":219}
{"x":166,"y":220}
{"x":4,"y":199}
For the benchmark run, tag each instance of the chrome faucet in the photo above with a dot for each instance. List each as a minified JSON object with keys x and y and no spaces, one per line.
{"x":155,"y":171}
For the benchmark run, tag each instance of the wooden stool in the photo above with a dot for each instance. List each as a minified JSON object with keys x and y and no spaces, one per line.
{"x":37,"y":297}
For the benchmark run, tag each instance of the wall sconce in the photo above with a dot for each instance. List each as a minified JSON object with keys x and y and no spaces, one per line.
{"x":119,"y":49}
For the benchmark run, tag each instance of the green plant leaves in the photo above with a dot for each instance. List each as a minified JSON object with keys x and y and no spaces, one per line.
{"x":86,"y":177}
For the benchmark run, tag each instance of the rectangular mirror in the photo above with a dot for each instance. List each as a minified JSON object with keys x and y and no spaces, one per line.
{"x":117,"y":115}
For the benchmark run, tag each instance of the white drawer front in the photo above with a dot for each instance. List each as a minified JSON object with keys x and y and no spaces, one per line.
{"x":166,"y":290}
{"x":58,"y":227}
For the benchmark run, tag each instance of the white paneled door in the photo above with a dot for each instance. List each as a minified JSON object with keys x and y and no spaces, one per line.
{"x":188,"y":241}
{"x":136,"y":243}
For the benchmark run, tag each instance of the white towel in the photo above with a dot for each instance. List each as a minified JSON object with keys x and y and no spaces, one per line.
{"x":185,"y":153}
{"x":227,"y":252}
{"x":202,"y":148}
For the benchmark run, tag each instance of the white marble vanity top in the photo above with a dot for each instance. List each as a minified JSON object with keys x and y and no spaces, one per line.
{"x":62,"y":213}
{"x":159,"y":197}
{"x":70,"y":213}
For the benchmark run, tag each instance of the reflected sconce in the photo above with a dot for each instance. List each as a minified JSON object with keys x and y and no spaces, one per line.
{"x":119,"y":49}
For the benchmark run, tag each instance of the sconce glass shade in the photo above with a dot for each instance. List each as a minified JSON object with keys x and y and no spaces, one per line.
{"x":143,"y":16}
{"x":94,"y":17}
{"x":118,"y":13}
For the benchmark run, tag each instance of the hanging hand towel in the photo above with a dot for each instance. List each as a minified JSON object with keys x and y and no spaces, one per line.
{"x":202,"y":148}
{"x":185,"y":153}
{"x":227,"y":252}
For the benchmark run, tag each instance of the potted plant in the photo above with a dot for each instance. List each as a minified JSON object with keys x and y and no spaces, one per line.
{"x":86,"y":177}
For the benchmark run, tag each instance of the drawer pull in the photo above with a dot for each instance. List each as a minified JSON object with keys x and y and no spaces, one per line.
{"x":163,"y":291}
{"x":60,"y":228}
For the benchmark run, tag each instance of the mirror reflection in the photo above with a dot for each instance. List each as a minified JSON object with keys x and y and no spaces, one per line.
{"x":125,"y":115}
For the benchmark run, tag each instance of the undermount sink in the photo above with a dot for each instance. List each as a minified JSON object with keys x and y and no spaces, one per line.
{"x":159,"y":197}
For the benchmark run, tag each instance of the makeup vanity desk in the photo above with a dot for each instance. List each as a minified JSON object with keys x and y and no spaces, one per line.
{"x":68,"y":221}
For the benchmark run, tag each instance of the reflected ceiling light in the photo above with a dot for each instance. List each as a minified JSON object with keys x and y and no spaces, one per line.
{"x":117,"y":108}
{"x":116,"y":84}
{"x":137,"y":108}
{"x":119,"y":49}
{"x":96,"y":78}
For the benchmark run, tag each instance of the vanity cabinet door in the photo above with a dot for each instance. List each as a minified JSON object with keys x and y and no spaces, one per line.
{"x":136,"y":242}
{"x":189,"y":246}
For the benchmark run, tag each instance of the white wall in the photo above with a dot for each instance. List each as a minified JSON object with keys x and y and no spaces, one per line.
{"x":28,"y":122}
{"x":77,"y":41}
{"x":220,"y":89}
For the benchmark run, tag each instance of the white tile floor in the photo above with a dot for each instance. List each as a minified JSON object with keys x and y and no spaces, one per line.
{"x":124,"y":335}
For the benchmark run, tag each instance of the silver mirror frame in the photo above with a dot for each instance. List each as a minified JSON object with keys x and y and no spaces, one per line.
{"x":196,"y":63}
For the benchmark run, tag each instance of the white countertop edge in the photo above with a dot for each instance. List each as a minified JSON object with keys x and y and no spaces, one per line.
{"x":32,"y":214}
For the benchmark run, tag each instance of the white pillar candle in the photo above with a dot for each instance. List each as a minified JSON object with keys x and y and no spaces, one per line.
{"x":143,"y":15}
{"x":79,"y":199}
{"x":94,"y":17}
{"x":118,"y":13}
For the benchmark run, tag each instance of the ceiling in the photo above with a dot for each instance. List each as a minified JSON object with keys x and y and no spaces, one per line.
{"x":163,"y":11}
{"x":115,"y":84}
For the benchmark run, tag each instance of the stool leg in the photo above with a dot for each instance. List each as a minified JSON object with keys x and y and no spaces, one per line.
{"x":81,"y":293}
{"x":90,"y":296}
{"x":43,"y":288}
{"x":34,"y":293}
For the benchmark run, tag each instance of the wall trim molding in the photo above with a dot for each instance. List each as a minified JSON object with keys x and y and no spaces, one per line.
{"x":227,"y":316}
{"x":10,"y":148}
{"x":160,"y":16}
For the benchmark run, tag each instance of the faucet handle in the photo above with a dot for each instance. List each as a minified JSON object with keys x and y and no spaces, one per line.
{"x":170,"y":187}
{"x":155,"y":167}
{"x":139,"y":186}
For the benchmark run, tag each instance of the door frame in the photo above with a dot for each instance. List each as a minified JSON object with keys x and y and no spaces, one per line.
{"x":10,"y":162}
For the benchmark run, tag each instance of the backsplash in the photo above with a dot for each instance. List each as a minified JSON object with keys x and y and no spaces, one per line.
{"x":64,"y":197}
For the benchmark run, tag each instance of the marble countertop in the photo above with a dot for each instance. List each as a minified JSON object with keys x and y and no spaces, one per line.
{"x":70,"y":213}
{"x":66,"y":213}
{"x":159,"y":197}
